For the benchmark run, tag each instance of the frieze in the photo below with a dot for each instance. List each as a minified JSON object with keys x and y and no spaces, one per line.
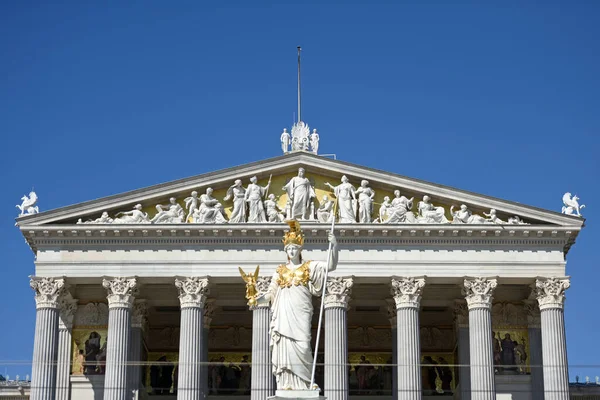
{"x":67,"y":306}
{"x":91,"y":314}
{"x":436,"y":339}
{"x":508,"y":314}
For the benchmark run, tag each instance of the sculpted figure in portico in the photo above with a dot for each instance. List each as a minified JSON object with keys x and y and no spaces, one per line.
{"x":238,"y":193}
{"x":429,"y":214}
{"x":300,"y":197}
{"x":325,"y":210}
{"x":28,"y":204}
{"x":135,"y":216}
{"x":274,"y":214}
{"x":465,"y":216}
{"x":400,"y":211}
{"x":383,"y":209}
{"x":571,"y":205}
{"x":191,"y":204}
{"x":290,"y":295}
{"x":254,"y":198}
{"x":171,"y":213}
{"x":210,"y":211}
{"x":285,"y":141}
{"x":345,"y":194}
{"x":365,"y":202}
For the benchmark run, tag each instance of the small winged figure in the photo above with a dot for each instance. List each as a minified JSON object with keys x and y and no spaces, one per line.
{"x":250,"y":280}
{"x":571,"y":205}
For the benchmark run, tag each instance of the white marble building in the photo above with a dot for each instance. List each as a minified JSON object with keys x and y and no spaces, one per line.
{"x":136,"y":300}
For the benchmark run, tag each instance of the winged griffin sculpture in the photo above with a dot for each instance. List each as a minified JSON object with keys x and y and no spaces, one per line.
{"x":28,"y":204}
{"x":571,"y":205}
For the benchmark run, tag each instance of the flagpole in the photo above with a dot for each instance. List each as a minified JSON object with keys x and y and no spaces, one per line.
{"x":299,"y":98}
{"x":314,"y":367}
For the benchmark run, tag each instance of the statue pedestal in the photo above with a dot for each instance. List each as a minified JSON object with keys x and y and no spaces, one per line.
{"x":297,"y":394}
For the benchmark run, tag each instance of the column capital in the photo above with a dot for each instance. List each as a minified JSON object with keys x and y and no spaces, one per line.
{"x":192,"y":291}
{"x":533,"y":313}
{"x":67,"y":306}
{"x":120,"y":291}
{"x":550,"y":292}
{"x":478,"y":292}
{"x":139,"y":314}
{"x":407,"y":291}
{"x":47,"y":291}
{"x":262,"y":287}
{"x":461,"y":313}
{"x":392,"y":312}
{"x":209,"y":310}
{"x":337,"y":293}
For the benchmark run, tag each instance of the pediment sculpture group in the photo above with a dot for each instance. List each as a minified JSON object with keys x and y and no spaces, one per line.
{"x":254,"y":204}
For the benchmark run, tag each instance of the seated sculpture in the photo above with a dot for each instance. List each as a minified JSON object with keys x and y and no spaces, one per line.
{"x":172,"y":213}
{"x":383,"y":210}
{"x":325,"y":210}
{"x":274,"y":213}
{"x":465,"y":216}
{"x":135,"y":216}
{"x":210,"y":210}
{"x":399,"y":212}
{"x":429,"y":214}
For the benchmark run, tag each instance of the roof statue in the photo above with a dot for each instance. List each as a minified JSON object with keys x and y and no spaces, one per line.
{"x":28,"y":204}
{"x":571,"y":205}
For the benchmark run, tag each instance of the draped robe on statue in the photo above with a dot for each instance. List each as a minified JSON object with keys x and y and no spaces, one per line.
{"x":290,"y":330}
{"x":300,"y":192}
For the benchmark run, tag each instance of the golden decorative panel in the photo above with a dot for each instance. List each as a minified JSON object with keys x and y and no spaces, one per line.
{"x":89,"y":350}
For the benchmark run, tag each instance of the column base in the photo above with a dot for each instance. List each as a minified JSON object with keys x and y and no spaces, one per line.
{"x":297,"y":394}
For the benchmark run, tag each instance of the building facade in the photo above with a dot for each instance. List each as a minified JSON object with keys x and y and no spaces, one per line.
{"x":438,"y":291}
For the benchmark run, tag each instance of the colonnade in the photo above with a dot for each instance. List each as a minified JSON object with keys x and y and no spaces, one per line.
{"x":55,"y":309}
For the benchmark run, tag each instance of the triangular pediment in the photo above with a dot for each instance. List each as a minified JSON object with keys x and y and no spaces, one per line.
{"x":318,"y":170}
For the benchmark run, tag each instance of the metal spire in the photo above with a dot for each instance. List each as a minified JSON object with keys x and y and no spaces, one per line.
{"x":299,"y":98}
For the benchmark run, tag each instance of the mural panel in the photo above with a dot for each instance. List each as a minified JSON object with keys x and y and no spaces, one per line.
{"x":161,"y":373}
{"x":437,"y":374}
{"x":511,"y":350}
{"x":89,"y":350}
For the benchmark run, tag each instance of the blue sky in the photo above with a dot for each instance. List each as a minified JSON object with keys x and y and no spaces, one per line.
{"x":497,"y":98}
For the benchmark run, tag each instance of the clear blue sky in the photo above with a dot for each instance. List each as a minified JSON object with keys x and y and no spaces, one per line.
{"x":500,"y":99}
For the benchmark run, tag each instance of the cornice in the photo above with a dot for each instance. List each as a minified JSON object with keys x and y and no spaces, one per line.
{"x":373,"y":235}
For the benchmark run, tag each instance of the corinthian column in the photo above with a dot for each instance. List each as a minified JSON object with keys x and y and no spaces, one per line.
{"x":120,"y":300}
{"x":478,"y":293}
{"x":407,"y":293}
{"x":45,"y":346}
{"x":261,"y":380}
{"x":67,"y":306}
{"x":192,"y":296}
{"x":550,"y":294}
{"x":336,"y":300}
{"x":139,"y":320}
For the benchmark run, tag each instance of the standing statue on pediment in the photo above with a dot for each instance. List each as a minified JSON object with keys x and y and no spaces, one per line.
{"x":169,"y":214}
{"x":191,"y":204}
{"x":465,"y":216}
{"x":254,"y":198}
{"x":325,"y":210}
{"x":210,"y":210}
{"x":365,"y":202}
{"x":300,"y":197}
{"x":429,"y":214}
{"x":314,"y":141}
{"x":400,"y":211}
{"x":345,"y":194}
{"x":238,"y":193}
{"x":383,"y":209}
{"x":272,"y":209}
{"x":135,"y":216}
{"x":285,"y":141}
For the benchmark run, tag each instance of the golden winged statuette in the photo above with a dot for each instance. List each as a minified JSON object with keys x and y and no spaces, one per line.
{"x":250,"y":280}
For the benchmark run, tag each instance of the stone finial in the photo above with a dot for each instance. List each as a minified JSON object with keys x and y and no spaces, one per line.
{"x":262,"y":287}
{"x":67,"y":307}
{"x":407,"y":291}
{"x":338,"y":292}
{"x":461,"y":313}
{"x":139,"y":315}
{"x":550,"y":292}
{"x":47,"y":291}
{"x":192,"y":291}
{"x":120,"y":291}
{"x":478,"y":291}
{"x":209,"y":310}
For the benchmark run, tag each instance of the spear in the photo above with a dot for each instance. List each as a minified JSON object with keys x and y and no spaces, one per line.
{"x":314,"y":367}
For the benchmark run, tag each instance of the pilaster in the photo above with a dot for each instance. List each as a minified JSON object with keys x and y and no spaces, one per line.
{"x":461,"y":322}
{"x":478,"y":293}
{"x":192,"y":297}
{"x":139,"y":321}
{"x":407,"y":292}
{"x":120,"y":296}
{"x":337,"y":296}
{"x":262,"y":382}
{"x":535,"y":348}
{"x":209,"y":309}
{"x":45,"y":347}
{"x":392,"y":317}
{"x":550,"y":294}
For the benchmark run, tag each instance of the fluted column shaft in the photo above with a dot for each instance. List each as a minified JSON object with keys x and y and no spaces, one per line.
{"x":394,"y":325}
{"x":138,"y":323}
{"x":45,"y":346}
{"x":336,"y":300}
{"x":461,"y":318}
{"x":192,"y":296}
{"x":535,"y":349}
{"x":550,"y":296}
{"x":208,"y":312}
{"x":407,"y":295}
{"x":120,"y":301}
{"x":478,"y":293}
{"x":67,"y":310}
{"x":262,"y":382}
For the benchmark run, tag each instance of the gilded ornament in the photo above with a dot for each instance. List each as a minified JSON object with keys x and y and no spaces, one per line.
{"x":250,"y":280}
